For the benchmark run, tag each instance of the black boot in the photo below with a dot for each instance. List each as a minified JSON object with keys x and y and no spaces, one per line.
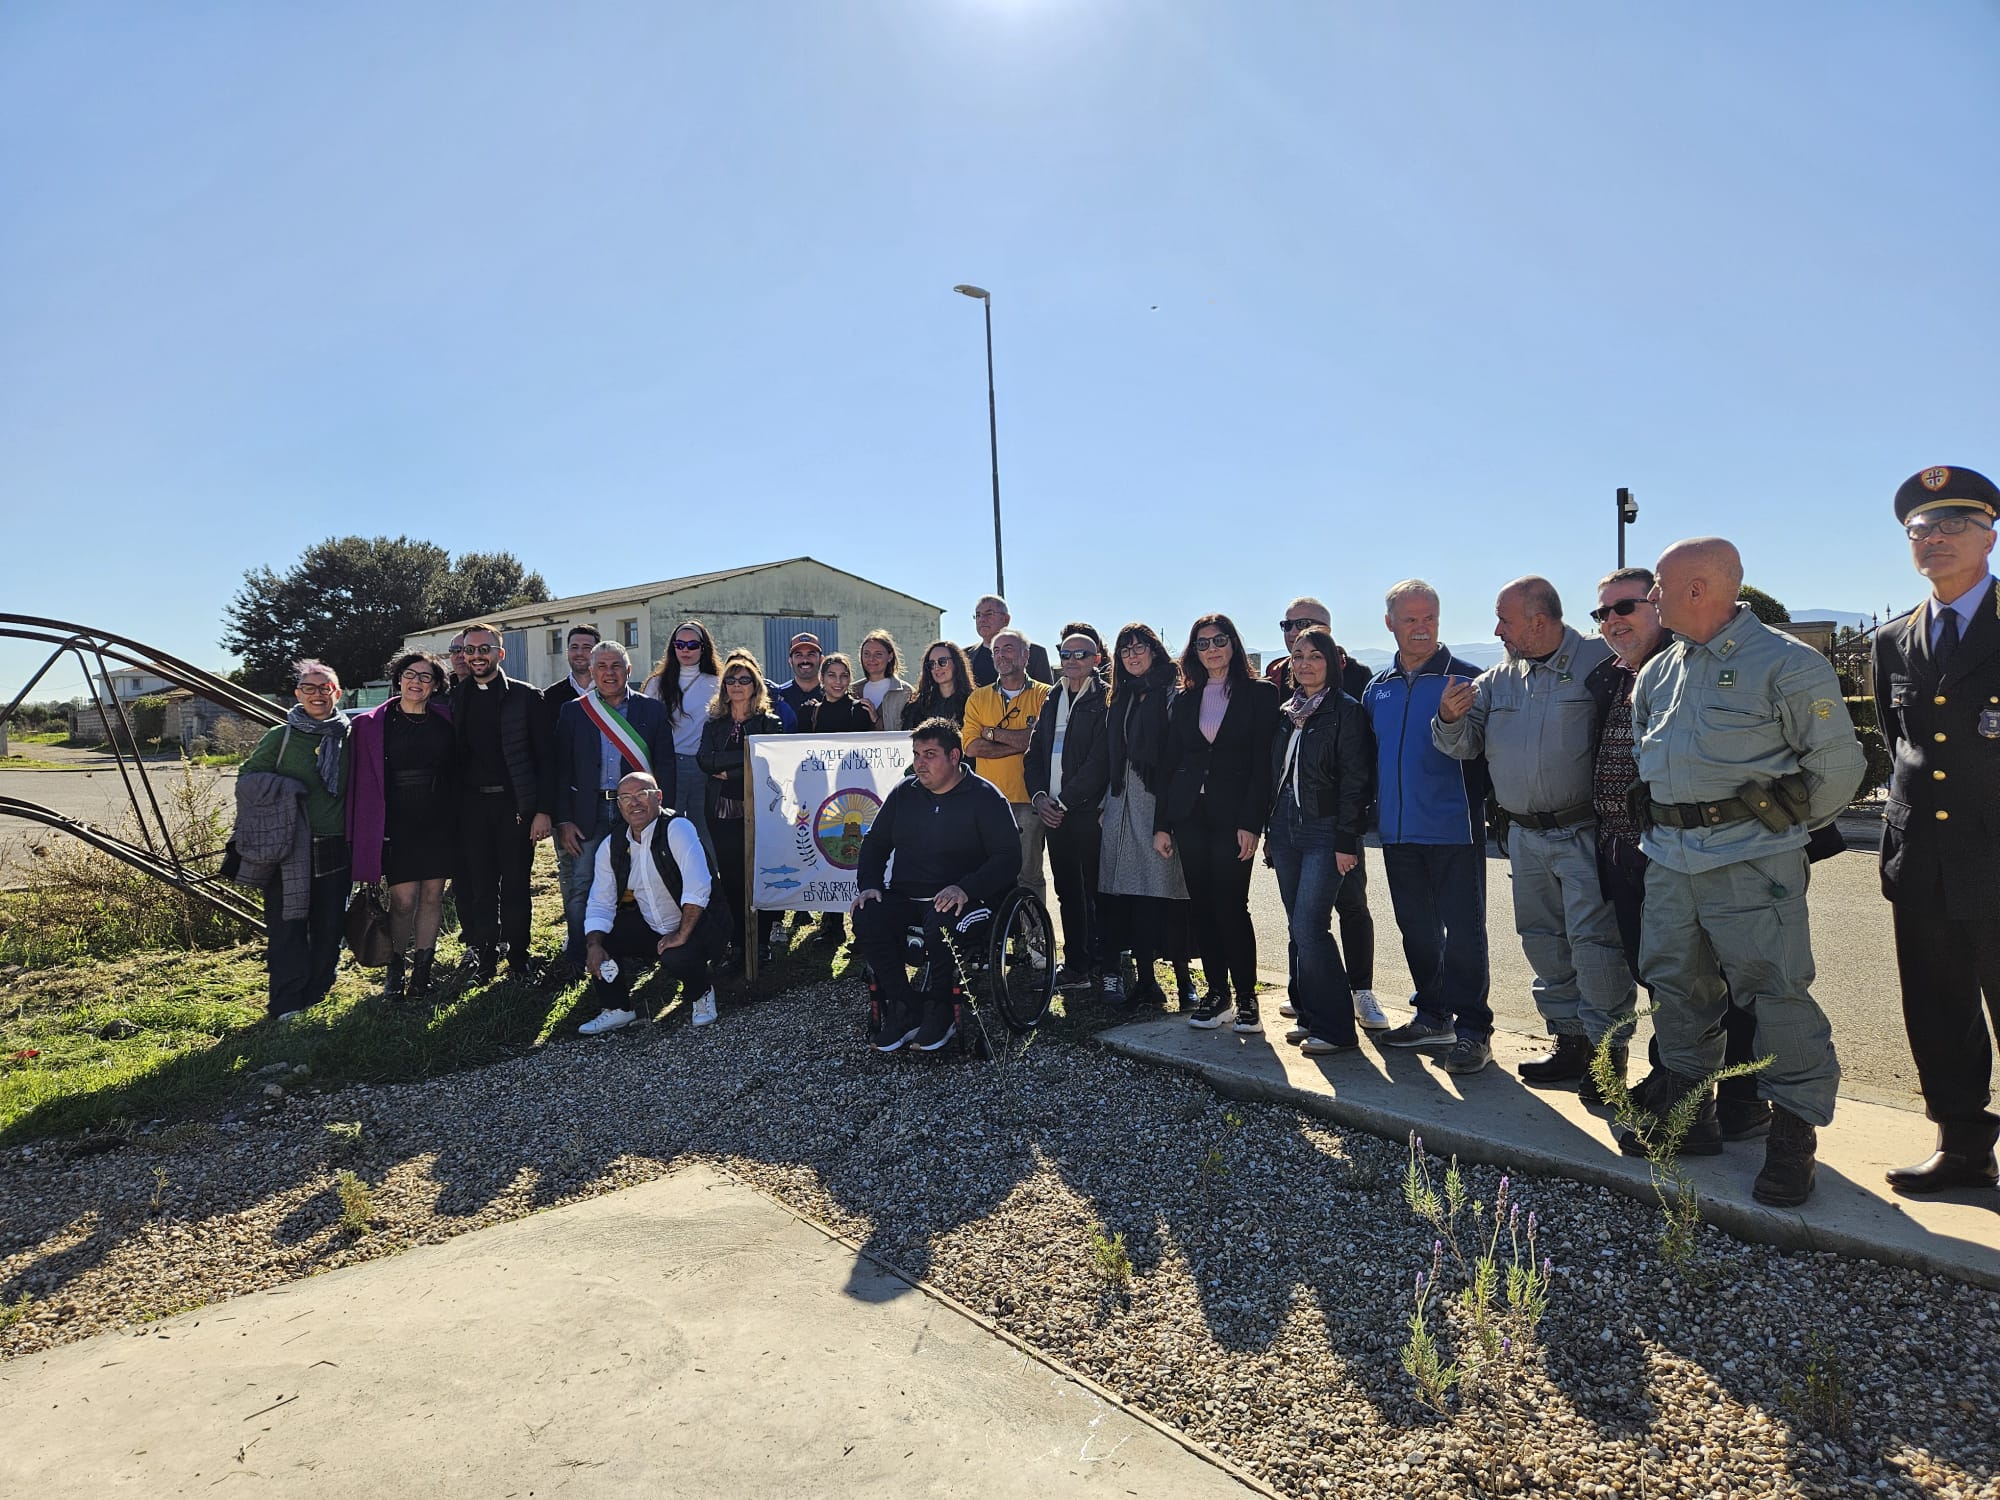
{"x":392,"y":982}
{"x":1586,"y":1088}
{"x":1789,"y":1161}
{"x":1656,"y":1096}
{"x":1743,"y":1119}
{"x":485,"y":964}
{"x":420,"y":972}
{"x":1570,"y":1059}
{"x":1963,"y":1159}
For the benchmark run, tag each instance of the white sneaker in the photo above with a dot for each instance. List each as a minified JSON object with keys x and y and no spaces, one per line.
{"x":704,"y":1008}
{"x":607,"y":1020}
{"x":1368,"y":1011}
{"x":1288,"y":1010}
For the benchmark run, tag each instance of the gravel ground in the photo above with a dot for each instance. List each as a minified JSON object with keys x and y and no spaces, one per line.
{"x":1272,"y":1255}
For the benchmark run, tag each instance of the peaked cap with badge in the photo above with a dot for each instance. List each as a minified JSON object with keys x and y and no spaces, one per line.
{"x":1945,"y":488}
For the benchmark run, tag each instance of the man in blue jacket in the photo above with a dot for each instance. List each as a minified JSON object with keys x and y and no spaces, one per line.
{"x":601,"y":737}
{"x":1432,"y":815}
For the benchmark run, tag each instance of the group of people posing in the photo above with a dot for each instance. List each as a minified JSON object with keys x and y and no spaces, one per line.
{"x":1658,"y":788}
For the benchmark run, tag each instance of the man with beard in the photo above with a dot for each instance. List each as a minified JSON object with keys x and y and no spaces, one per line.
{"x":506,"y":771}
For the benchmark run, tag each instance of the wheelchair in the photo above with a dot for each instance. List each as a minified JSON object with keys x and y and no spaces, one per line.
{"x":1002,"y":959}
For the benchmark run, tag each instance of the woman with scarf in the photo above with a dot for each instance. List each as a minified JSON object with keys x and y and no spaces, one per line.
{"x":1134,"y":880}
{"x":402,"y":813}
{"x":1322,"y":759}
{"x":311,"y":748}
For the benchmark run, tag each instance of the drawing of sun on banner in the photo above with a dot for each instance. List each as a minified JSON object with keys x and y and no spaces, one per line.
{"x":816,"y":799}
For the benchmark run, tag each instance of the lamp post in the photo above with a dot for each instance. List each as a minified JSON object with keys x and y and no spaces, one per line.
{"x":1628,"y":512}
{"x":992,"y":432}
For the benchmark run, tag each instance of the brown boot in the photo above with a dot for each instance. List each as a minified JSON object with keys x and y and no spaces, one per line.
{"x":1789,"y":1161}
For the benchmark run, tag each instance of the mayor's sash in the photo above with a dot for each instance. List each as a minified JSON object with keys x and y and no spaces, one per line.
{"x":614,"y":727}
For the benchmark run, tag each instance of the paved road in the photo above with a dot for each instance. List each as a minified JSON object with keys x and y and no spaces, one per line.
{"x":1857,"y":976}
{"x":1851,"y":941}
{"x":88,"y":787}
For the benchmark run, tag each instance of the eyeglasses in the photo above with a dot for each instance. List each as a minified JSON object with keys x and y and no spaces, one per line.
{"x":939,"y":663}
{"x":1216,"y":642}
{"x":1916,"y":531}
{"x":739,"y":680}
{"x":693,"y":645}
{"x":1299,"y":624}
{"x":1622,"y":607}
{"x":416,"y":674}
{"x":1083,"y":655}
{"x":482,"y":650}
{"x":636,"y":799}
{"x":317,"y":689}
{"x":1135,"y":648}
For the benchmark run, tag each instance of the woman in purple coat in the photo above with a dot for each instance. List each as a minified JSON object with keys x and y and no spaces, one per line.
{"x":402,"y":813}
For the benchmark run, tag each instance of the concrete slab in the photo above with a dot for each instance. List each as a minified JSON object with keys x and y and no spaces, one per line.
{"x":1494,"y":1117}
{"x":685,"y":1337}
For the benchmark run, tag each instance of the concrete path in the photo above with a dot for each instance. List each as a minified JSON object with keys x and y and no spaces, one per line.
{"x":686,"y":1337}
{"x":1494,"y":1117}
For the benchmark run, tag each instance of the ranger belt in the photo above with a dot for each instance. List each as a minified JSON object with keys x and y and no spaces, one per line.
{"x":1702,"y":814}
{"x":1569,"y":817}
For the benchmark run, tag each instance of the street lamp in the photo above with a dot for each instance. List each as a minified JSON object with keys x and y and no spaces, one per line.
{"x":1628,"y":512}
{"x":992,"y":432}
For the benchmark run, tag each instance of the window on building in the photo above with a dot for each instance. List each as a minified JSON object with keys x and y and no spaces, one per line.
{"x":628,"y":632}
{"x":555,"y":643}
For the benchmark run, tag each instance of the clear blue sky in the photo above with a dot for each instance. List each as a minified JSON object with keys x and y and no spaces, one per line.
{"x":1287,"y":297}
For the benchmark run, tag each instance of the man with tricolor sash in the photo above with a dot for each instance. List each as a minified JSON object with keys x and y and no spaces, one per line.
{"x":601,"y":737}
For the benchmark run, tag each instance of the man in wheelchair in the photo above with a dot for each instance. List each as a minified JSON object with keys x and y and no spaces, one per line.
{"x":957,"y":850}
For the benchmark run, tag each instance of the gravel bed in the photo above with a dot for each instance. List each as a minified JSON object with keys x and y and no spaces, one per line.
{"x":1272,"y":1255}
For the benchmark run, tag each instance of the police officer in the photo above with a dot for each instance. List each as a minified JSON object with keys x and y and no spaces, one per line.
{"x":1937,"y":698}
{"x":1534,"y":719}
{"x":1744,"y":745}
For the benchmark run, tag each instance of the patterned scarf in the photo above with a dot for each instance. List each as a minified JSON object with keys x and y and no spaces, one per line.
{"x":1300,"y":708}
{"x":331,"y":733}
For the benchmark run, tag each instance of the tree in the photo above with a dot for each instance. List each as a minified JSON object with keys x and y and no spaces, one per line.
{"x":1763,"y":606}
{"x":349,"y":601}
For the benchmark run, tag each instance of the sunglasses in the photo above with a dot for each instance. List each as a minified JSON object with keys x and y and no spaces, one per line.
{"x":1622,"y":607}
{"x":738,"y":680}
{"x":694,"y":645}
{"x":1300,"y":623}
{"x":482,"y":650}
{"x":1216,"y":642}
{"x":938,"y":663}
{"x":1083,"y":655}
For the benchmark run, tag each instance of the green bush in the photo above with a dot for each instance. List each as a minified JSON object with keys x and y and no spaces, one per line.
{"x":1876,"y":749}
{"x":149,"y":719}
{"x":1862,"y":711}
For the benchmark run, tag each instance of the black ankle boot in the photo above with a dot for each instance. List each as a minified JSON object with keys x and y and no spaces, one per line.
{"x":1570,"y":1059}
{"x":1586,"y":1087}
{"x":1790,"y":1161}
{"x":420,"y":972}
{"x":392,"y":982}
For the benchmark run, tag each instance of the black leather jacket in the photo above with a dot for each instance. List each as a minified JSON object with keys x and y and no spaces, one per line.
{"x":1086,"y":768}
{"x":1336,"y":769}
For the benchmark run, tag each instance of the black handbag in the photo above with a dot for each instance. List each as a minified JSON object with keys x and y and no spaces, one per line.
{"x":367,"y":928}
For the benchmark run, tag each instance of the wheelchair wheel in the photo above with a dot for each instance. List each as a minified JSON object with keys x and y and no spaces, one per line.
{"x":1021,"y":961}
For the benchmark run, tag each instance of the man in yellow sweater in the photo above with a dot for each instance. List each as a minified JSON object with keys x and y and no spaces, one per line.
{"x":999,"y":718}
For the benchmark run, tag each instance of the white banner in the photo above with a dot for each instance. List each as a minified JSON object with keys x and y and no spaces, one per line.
{"x":814,"y":798}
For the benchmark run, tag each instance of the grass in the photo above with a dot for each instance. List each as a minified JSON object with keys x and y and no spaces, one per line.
{"x":357,"y":1203}
{"x":12,"y":1312}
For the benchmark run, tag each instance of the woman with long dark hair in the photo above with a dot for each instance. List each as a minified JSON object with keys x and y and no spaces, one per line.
{"x":1216,"y":783}
{"x":1321,"y":760}
{"x":1136,"y":880}
{"x":402,"y":816}
{"x":741,"y":709}
{"x":944,"y":689}
{"x":686,"y":681}
{"x":886,"y":694}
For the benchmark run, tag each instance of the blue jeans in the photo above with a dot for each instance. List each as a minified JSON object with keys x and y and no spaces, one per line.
{"x":1439,"y":894}
{"x":577,"y":883}
{"x":1303,"y":854}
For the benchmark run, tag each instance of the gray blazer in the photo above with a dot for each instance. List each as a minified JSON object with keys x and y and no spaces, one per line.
{"x":273,"y":838}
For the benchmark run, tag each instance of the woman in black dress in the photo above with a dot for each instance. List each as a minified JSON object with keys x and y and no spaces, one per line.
{"x":741,"y":709}
{"x":403,"y":816}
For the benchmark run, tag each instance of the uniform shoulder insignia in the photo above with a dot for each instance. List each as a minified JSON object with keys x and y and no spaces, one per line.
{"x":1822,"y":708}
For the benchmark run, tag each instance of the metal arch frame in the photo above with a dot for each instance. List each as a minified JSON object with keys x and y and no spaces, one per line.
{"x":158,"y":857}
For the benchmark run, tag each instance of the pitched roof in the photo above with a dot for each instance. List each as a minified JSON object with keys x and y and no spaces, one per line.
{"x":584,"y":603}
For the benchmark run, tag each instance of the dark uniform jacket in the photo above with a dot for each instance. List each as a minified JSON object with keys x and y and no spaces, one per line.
{"x":1941,"y":831}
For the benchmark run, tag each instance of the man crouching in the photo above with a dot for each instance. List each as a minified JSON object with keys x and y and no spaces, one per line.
{"x":646,"y":908}
{"x":956,"y":847}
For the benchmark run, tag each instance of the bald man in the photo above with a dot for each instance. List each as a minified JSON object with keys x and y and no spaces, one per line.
{"x":1744,"y":747}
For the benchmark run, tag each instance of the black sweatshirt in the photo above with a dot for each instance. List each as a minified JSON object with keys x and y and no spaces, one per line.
{"x":966,"y":838}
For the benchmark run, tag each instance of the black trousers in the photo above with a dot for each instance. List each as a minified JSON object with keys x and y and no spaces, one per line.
{"x":1218,"y":885}
{"x":1944,"y":967}
{"x":304,"y":953}
{"x":1074,"y":849}
{"x":731,"y":862}
{"x":634,"y":944}
{"x":1357,"y":924}
{"x":1439,"y":895}
{"x":493,"y":883}
{"x":1621,"y":871}
{"x":881,"y":933}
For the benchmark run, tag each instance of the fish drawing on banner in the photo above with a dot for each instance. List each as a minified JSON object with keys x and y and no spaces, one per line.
{"x":782,"y":885}
{"x":779,"y":869}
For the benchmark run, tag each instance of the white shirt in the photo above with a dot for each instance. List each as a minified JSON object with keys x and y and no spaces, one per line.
{"x":698,"y":690}
{"x":661,"y":912}
{"x":875,"y":691}
{"x":1064,"y":698}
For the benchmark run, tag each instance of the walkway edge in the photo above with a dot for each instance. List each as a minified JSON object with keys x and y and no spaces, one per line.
{"x":972,"y":1315}
{"x":1786,"y":1230}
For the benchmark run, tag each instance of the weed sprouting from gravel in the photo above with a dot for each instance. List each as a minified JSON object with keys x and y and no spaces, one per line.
{"x":159,"y":1192}
{"x":1499,"y":1307}
{"x":357,"y":1203}
{"x":12,"y":1312}
{"x":1109,"y":1261}
{"x":1821,"y":1397}
{"x":346,"y":1135}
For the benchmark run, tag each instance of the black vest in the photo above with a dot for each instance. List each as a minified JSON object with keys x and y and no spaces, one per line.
{"x":663,"y":857}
